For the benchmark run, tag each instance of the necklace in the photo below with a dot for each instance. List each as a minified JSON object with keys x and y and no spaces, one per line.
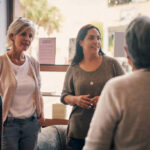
{"x":91,"y":83}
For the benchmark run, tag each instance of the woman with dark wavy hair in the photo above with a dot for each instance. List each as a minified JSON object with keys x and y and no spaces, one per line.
{"x":89,"y":71}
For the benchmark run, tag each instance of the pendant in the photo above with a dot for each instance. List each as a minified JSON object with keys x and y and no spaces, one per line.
{"x":91,"y":83}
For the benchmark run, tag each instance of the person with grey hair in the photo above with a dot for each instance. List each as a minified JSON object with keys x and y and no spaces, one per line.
{"x":121,"y":120}
{"x":20,"y":89}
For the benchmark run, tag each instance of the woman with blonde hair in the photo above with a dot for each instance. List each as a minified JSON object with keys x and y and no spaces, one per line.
{"x":20,"y":89}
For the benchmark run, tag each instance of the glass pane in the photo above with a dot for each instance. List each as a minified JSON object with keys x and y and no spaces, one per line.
{"x":48,"y":103}
{"x":52,"y":82}
{"x":117,"y":2}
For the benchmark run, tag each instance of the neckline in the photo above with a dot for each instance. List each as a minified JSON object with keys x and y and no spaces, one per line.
{"x":18,"y":66}
{"x":101,"y":65}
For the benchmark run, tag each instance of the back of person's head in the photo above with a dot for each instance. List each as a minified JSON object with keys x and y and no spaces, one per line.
{"x":138,"y":42}
{"x":80,"y":37}
{"x":17,"y":27}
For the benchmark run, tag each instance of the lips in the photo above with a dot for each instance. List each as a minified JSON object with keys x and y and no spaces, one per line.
{"x":26,"y":44}
{"x":96,"y":47}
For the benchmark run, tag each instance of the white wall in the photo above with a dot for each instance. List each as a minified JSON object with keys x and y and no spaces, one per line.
{"x":3,"y":25}
{"x":16,"y":9}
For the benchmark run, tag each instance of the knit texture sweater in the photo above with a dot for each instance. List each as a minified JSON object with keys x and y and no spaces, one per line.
{"x":80,"y":82}
{"x":122,"y":117}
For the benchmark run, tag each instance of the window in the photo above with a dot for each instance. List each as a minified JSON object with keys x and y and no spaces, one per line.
{"x":3,"y":24}
{"x":76,"y":14}
{"x":117,"y":2}
{"x":52,"y":84}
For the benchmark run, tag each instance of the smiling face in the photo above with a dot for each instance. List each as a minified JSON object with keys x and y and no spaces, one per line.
{"x":22,"y":40}
{"x":91,"y":43}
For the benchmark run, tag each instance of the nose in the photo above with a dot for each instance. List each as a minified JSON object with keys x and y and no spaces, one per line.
{"x":27,"y":37}
{"x":96,"y":40}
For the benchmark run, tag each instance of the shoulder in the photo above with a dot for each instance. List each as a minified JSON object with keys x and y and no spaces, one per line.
{"x":115,"y":90}
{"x":72,"y":68}
{"x":122,"y":88}
{"x":120,"y":82}
{"x":3,"y":58}
{"x":71,"y":71}
{"x":3,"y":62}
{"x":32,"y":60}
{"x":110,"y":59}
{"x":114,"y":64}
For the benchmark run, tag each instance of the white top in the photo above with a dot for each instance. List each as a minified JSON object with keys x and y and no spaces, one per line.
{"x":122,"y":116}
{"x":22,"y":103}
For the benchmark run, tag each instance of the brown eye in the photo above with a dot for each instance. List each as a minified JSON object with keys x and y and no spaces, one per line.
{"x":23,"y":34}
{"x":91,"y":37}
{"x":98,"y":38}
{"x":30,"y":35}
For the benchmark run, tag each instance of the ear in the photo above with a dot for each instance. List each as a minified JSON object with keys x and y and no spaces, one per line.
{"x":129,"y":59}
{"x":11,"y":36}
{"x":126,"y":52}
{"x":80,"y":42}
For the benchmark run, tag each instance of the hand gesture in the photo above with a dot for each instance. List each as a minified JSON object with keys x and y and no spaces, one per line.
{"x":83,"y":101}
{"x":94,"y":101}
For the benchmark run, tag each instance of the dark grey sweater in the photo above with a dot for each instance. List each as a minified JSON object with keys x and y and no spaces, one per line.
{"x":78,"y":82}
